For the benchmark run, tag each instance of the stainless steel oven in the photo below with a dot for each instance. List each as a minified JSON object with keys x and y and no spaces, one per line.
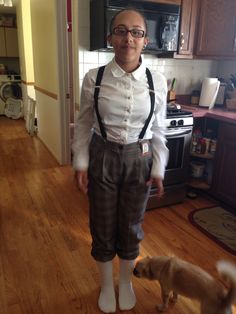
{"x":179,"y":126}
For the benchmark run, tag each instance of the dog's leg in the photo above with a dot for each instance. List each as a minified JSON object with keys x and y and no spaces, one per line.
{"x":165,"y":294}
{"x":174,"y":297}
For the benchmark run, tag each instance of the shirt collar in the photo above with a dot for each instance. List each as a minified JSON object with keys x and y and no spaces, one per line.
{"x":117,"y":71}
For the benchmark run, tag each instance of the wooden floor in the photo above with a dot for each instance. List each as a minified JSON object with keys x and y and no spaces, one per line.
{"x":45,"y":262}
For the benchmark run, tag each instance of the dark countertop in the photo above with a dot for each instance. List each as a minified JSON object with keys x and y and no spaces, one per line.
{"x":215,"y":113}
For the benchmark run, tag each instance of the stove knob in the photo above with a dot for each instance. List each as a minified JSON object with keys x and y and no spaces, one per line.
{"x":173,"y":122}
{"x":181,"y":122}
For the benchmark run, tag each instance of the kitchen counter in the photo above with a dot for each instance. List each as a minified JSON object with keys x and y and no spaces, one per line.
{"x":215,"y":113}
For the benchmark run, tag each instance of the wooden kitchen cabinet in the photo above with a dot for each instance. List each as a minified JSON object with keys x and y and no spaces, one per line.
{"x":2,"y":41}
{"x":224,"y":176}
{"x":9,"y":42}
{"x":217,"y":29}
{"x":189,"y":11}
{"x":202,"y":152}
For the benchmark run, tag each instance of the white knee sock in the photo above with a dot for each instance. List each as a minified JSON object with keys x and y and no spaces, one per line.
{"x":127,"y":299}
{"x":107,"y":299}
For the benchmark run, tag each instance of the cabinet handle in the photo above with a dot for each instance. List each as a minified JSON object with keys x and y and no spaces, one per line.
{"x":181,"y":40}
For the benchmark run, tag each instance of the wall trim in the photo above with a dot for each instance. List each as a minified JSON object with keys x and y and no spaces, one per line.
{"x":44,"y":91}
{"x":27,"y":83}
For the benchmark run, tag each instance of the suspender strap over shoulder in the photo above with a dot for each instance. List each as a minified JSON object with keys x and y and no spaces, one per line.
{"x":96,"y":93}
{"x":152,"y":98}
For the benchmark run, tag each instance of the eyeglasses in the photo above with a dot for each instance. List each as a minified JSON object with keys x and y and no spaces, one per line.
{"x":121,"y":31}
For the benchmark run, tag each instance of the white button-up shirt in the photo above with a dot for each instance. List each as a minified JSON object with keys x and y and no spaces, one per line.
{"x":124,"y":105}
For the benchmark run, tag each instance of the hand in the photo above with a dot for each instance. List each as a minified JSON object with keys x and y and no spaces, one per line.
{"x":159,"y":186}
{"x":81,"y":178}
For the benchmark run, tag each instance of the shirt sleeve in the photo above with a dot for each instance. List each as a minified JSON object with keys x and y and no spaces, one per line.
{"x":160,"y":151}
{"x":84,"y":125}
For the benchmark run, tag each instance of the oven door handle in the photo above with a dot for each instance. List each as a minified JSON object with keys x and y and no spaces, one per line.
{"x":178,"y":132}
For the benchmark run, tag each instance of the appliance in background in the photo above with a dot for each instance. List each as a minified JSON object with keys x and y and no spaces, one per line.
{"x":179,"y":125}
{"x":220,"y":99}
{"x":209,"y":90}
{"x":10,"y":87}
{"x":162,"y":22}
{"x":30,"y":118}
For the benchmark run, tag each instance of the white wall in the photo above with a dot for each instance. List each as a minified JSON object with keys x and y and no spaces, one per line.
{"x":25,"y":51}
{"x":189,"y":73}
{"x":226,"y":68}
{"x":48,"y":31}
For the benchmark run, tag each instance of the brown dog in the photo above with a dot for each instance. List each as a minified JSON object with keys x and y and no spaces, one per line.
{"x":180,"y":277}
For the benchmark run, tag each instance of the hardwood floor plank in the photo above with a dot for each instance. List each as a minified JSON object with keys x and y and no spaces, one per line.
{"x":45,"y":261}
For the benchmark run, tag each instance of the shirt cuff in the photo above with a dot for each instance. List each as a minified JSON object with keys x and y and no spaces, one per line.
{"x":80,"y":162}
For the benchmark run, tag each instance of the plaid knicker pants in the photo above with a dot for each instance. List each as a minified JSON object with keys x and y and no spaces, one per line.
{"x":118,"y":195}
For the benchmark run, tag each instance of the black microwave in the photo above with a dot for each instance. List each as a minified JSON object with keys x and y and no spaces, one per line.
{"x":162,"y":23}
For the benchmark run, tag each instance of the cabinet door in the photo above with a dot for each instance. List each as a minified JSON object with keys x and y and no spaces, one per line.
{"x":224,"y":179}
{"x":11,"y":42}
{"x":3,"y":43}
{"x":217,"y":28}
{"x":189,"y":12}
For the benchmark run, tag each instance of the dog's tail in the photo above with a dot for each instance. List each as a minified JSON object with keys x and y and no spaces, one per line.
{"x":227,"y":270}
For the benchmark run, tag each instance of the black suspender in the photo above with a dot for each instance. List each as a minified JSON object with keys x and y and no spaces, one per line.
{"x":152,"y":98}
{"x":96,"y":93}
